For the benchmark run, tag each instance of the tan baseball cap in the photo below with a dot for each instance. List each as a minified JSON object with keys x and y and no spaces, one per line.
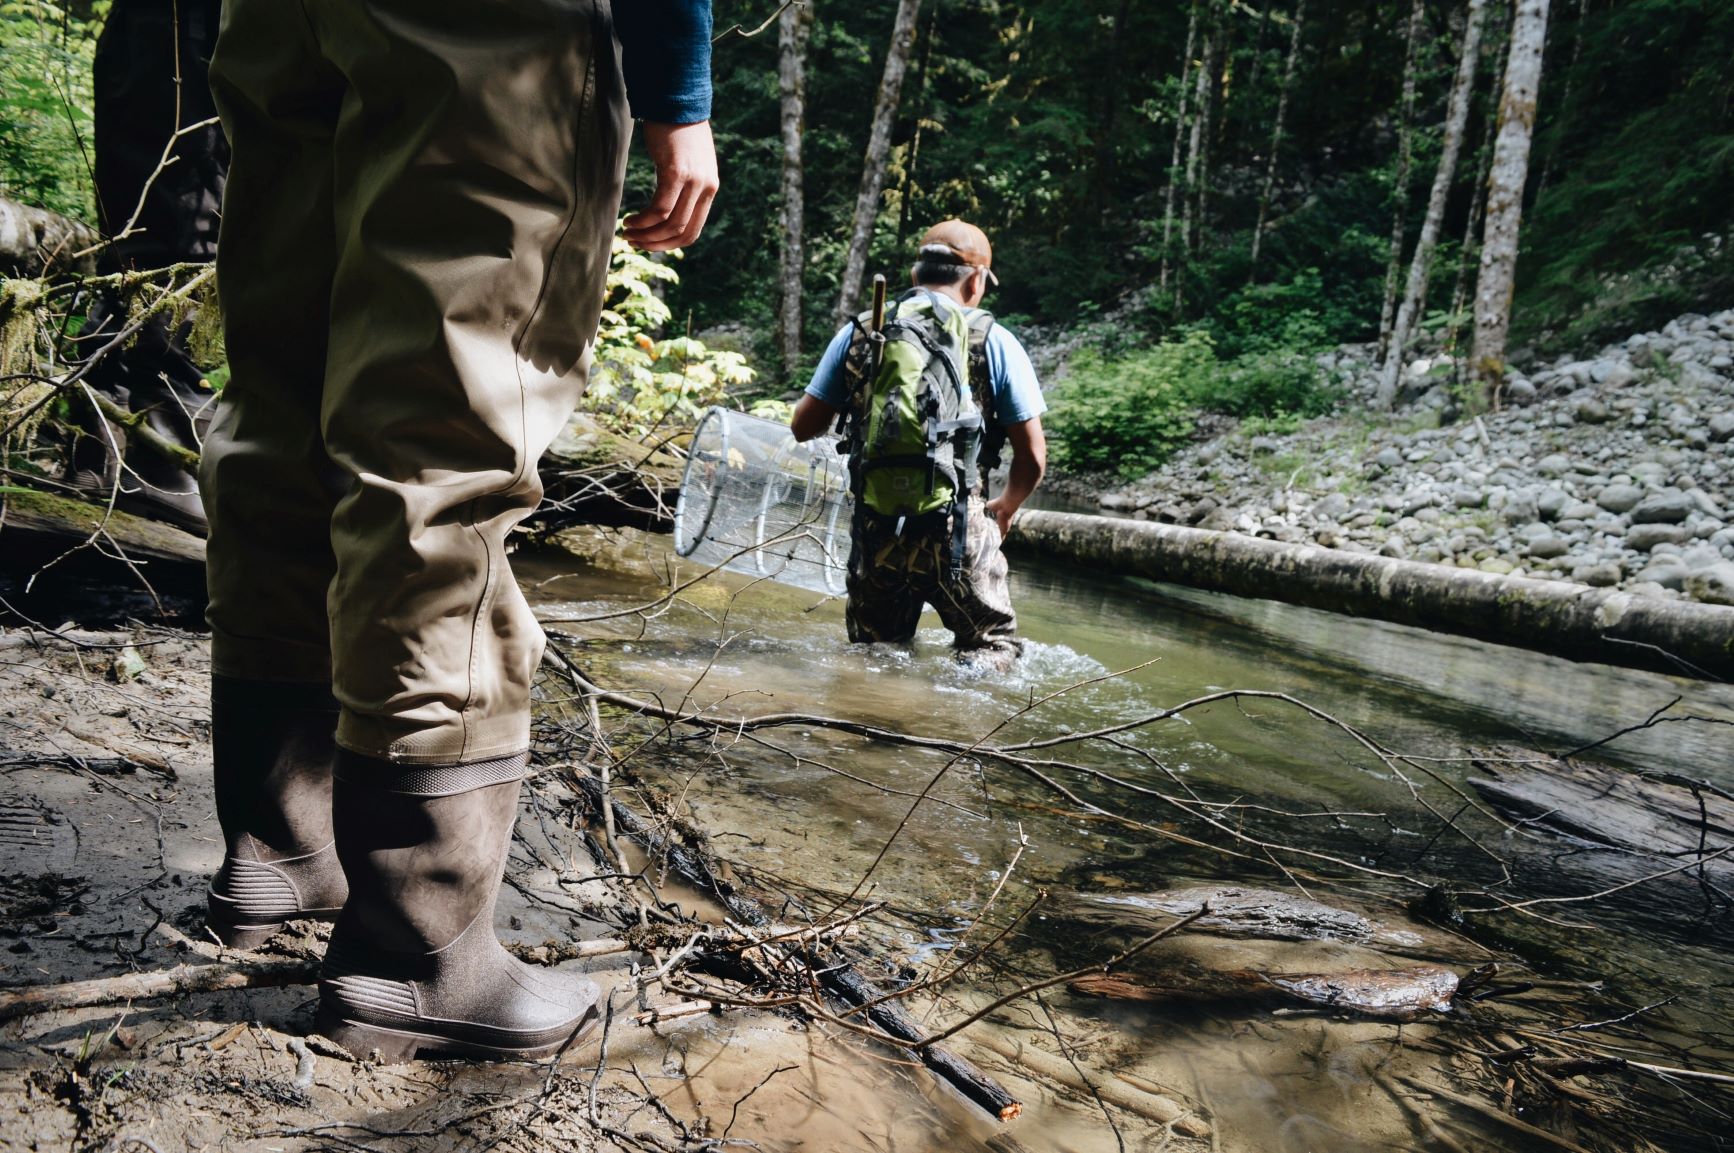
{"x":964,"y":240}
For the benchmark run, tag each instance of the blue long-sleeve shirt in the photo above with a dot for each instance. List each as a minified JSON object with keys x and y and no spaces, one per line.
{"x":665,"y":50}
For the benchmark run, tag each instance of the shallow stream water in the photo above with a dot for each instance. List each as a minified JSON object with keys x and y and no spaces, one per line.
{"x":810,"y":809}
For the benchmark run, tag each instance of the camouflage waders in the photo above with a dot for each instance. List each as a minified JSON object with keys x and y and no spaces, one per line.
{"x":892,"y":575}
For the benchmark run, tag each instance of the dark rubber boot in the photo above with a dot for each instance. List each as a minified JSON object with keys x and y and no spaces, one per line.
{"x":272,"y":750}
{"x":414,"y":965}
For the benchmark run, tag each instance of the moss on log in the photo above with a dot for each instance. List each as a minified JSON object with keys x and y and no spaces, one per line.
{"x":1569,"y":620}
{"x":36,"y":527}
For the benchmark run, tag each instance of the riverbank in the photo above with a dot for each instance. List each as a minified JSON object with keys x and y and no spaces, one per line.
{"x":107,"y":835}
{"x":1613,"y":470}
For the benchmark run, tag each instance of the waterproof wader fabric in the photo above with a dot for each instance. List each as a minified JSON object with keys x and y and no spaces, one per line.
{"x":891,"y":574}
{"x":416,"y":232}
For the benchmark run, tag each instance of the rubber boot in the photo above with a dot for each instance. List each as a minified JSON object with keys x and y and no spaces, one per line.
{"x":272,"y":764}
{"x":414,"y":965}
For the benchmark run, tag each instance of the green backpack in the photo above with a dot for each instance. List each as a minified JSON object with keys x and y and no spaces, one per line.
{"x":914,"y":427}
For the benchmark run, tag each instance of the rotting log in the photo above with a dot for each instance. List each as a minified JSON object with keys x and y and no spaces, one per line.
{"x":35,"y":241}
{"x":591,"y":476}
{"x":834,"y":971}
{"x":1247,"y":911}
{"x":1390,"y":994}
{"x":37,"y":527}
{"x":1665,"y":816}
{"x":1557,"y":617}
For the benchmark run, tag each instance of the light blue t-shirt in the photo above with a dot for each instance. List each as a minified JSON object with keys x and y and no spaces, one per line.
{"x":1017,"y":396}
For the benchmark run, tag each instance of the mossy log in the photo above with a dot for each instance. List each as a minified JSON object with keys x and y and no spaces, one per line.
{"x":592,"y":476}
{"x":36,"y":528}
{"x":1557,"y":617}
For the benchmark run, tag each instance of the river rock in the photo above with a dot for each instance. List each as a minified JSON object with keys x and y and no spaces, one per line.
{"x":1714,"y":584}
{"x":1620,"y":498}
{"x":1645,"y":537}
{"x":1331,"y":507}
{"x":1591,"y":411}
{"x":1548,"y":547}
{"x":1604,"y":575}
{"x":1579,"y":510}
{"x":1666,"y":573}
{"x":1554,"y":464}
{"x":1671,"y":506}
{"x":1721,"y":426}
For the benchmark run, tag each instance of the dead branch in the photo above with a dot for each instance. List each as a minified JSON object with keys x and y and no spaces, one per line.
{"x":817,"y":966}
{"x":176,"y":982}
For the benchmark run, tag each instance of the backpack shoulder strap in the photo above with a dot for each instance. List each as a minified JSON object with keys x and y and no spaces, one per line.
{"x":981,"y":383}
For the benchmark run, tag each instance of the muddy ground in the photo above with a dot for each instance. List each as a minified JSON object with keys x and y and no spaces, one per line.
{"x":107,"y":837}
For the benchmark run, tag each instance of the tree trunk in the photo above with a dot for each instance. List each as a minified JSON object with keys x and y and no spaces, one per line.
{"x":1111,"y":95}
{"x":1180,"y":118}
{"x":878,"y":149}
{"x":907,"y":189}
{"x":1215,"y":118}
{"x":1565,"y":109}
{"x":795,"y":25}
{"x":1204,"y":92}
{"x":1294,"y":40}
{"x":1469,"y":254}
{"x":1456,"y":120}
{"x":1494,"y":285}
{"x":1204,"y":89}
{"x":1400,"y":186}
{"x":1259,"y":40}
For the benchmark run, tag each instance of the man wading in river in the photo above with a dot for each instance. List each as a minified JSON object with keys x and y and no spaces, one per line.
{"x":928,"y":396}
{"x":415,"y":236}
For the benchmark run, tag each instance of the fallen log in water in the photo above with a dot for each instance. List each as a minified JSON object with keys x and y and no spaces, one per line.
{"x":1396,"y":994}
{"x":1244,"y":911}
{"x":1658,"y":815}
{"x":1558,"y":617}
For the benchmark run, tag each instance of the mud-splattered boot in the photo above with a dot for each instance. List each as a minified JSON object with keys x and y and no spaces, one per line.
{"x":272,"y":760}
{"x":414,"y":965}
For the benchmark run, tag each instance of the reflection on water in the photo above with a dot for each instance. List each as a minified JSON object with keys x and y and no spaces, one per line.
{"x":803,"y":801}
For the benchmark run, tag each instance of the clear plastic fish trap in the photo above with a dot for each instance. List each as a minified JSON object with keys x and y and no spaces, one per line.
{"x":756,"y":501}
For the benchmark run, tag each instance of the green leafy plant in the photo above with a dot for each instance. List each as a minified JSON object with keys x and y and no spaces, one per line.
{"x":640,"y":384}
{"x":46,"y":124}
{"x":1130,"y":414}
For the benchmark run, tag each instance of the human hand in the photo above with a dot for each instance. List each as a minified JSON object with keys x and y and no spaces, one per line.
{"x":686,"y":182}
{"x":1002,"y":514}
